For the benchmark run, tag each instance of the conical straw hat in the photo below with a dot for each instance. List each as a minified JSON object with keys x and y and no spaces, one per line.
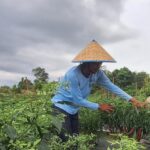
{"x":94,"y":52}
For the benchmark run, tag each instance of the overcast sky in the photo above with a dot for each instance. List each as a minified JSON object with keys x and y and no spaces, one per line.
{"x":49,"y":33}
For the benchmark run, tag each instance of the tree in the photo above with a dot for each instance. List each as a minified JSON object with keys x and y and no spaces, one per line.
{"x":25,"y":84}
{"x":41,"y":77}
{"x":123,"y":77}
{"x":40,"y":74}
{"x":140,"y":79}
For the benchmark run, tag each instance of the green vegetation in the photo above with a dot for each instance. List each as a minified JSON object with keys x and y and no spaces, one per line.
{"x":125,"y":143}
{"x":26,"y":121}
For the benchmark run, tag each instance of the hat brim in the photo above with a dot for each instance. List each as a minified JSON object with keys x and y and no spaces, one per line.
{"x":81,"y":61}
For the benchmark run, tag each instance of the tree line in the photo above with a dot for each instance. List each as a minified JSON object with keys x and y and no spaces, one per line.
{"x":25,"y":84}
{"x":123,"y":77}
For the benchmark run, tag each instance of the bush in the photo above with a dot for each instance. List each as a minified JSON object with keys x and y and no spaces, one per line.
{"x":125,"y":143}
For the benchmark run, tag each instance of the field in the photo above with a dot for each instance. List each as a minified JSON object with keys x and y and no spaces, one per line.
{"x":26,"y":123}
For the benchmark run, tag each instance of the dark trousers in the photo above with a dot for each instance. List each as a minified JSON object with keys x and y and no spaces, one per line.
{"x":70,"y":125}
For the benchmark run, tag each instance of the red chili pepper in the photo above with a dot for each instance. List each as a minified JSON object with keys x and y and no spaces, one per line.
{"x":139,"y":134}
{"x":130,"y":133}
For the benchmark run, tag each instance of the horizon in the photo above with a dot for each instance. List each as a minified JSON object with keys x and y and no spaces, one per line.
{"x":31,"y":78}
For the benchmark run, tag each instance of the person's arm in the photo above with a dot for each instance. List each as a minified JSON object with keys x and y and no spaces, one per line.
{"x":104,"y":81}
{"x":79,"y":100}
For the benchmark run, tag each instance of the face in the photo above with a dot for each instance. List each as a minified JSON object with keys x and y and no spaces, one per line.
{"x":94,"y":67}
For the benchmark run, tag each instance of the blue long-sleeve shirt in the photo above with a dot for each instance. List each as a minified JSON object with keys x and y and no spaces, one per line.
{"x":75,"y":88}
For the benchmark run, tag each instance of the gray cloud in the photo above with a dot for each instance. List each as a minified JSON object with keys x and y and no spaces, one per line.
{"x":63,"y":26}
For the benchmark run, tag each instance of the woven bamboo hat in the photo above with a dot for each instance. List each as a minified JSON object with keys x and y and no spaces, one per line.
{"x":94,"y":52}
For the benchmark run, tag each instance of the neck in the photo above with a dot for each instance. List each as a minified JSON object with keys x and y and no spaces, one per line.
{"x":85,"y":71}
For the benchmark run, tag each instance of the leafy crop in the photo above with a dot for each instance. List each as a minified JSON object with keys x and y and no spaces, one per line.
{"x":125,"y":119}
{"x":26,"y":123}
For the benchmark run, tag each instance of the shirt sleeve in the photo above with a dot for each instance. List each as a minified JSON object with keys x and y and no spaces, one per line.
{"x":105,"y":82}
{"x":77,"y":95}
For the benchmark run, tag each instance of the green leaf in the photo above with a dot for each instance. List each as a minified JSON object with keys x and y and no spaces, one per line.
{"x":10,"y":131}
{"x":36,"y":142}
{"x":43,"y":146}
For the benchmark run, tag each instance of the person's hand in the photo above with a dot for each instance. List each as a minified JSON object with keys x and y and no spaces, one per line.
{"x":137,"y":103}
{"x":106,"y":108}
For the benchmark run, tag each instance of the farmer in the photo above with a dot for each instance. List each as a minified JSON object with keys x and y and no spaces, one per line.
{"x":76,"y":86}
